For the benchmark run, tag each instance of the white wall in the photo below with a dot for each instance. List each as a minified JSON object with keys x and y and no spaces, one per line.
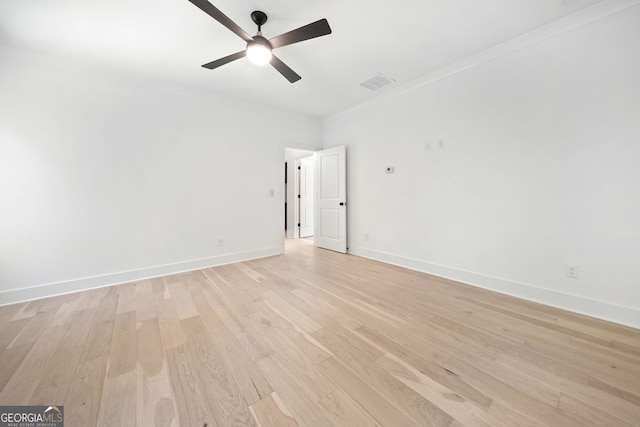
{"x":105,"y":179}
{"x":541,"y":167}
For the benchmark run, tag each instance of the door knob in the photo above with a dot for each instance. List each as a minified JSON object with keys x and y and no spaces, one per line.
{"x":341,"y":203}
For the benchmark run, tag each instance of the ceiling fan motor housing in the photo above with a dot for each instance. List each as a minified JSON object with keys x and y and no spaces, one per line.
{"x":260,"y":40}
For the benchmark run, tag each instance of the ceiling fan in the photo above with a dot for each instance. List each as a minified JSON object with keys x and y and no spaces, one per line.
{"x":259,"y":49}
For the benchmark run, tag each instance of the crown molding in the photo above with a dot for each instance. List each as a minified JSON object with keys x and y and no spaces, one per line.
{"x":568,"y":23}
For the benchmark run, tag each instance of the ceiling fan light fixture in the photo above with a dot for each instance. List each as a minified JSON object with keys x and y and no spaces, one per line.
{"x":259,"y":50}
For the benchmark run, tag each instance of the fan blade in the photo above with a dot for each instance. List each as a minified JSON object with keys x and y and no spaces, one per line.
{"x":284,"y":69}
{"x":218,"y":62}
{"x":310,"y":31}
{"x":212,"y":11}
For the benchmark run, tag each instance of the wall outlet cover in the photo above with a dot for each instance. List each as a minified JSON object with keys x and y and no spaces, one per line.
{"x":571,"y":270}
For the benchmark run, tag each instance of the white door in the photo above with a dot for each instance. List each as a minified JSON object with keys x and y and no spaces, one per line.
{"x":331,"y":199}
{"x":305,"y":196}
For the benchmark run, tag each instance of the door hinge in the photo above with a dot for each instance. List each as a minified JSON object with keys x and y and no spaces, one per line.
{"x":298,"y":196}
{"x":298,"y":224}
{"x":299,"y":167}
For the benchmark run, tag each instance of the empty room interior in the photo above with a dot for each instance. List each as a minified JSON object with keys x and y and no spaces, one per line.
{"x":324,"y":213}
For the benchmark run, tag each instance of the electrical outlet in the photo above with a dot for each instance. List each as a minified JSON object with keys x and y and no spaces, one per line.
{"x":441,"y":144}
{"x":571,"y":270}
{"x":221,"y":242}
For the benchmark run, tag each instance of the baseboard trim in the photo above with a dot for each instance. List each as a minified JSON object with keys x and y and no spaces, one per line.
{"x":83,"y":284}
{"x":622,"y":315}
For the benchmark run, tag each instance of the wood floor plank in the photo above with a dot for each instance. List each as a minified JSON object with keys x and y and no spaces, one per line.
{"x":361,"y":306}
{"x":431,"y":367}
{"x":126,"y":298}
{"x":496,"y":386}
{"x":99,"y":339}
{"x":586,"y":414}
{"x":170,"y":330}
{"x":271,"y":412}
{"x":305,"y":408}
{"x":237,"y":290}
{"x":159,"y":289}
{"x":450,"y":402}
{"x":206,"y":313}
{"x":144,"y":303}
{"x":31,"y":332}
{"x":10,"y":360}
{"x":368,"y":301}
{"x":590,"y":395}
{"x":122,"y":357}
{"x":383,"y":411}
{"x":320,"y":309}
{"x":54,"y":385}
{"x":215,"y":381}
{"x":589,"y":356}
{"x":182,"y":300}
{"x":631,"y":383}
{"x":154,"y":395}
{"x":352,"y":350}
{"x":511,"y":417}
{"x":95,"y":298}
{"x":235,"y":279}
{"x":346,"y":410}
{"x":289,"y":312}
{"x":193,"y":407}
{"x":23,"y":382}
{"x":83,"y":400}
{"x":307,"y":343}
{"x":118,"y":402}
{"x":10,"y":330}
{"x":9,"y":312}
{"x":254,"y":344}
{"x":250,"y":272}
{"x":26,"y":310}
{"x":251,"y":382}
{"x":289,"y":354}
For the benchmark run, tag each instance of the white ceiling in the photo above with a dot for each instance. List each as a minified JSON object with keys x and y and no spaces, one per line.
{"x":168,"y":40}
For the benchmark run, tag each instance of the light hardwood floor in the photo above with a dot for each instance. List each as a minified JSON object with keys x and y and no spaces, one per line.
{"x":315,"y":338}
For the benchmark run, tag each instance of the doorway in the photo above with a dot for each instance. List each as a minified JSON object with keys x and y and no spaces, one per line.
{"x":315,"y":197}
{"x":298,"y":192}
{"x":305,"y":199}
